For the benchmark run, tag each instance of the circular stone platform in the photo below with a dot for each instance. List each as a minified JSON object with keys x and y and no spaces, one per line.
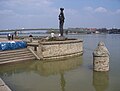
{"x":58,"y":49}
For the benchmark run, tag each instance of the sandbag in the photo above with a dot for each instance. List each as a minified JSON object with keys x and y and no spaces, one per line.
{"x":12,"y":45}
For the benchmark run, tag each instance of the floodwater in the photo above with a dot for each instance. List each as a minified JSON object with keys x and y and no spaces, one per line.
{"x":73,"y":74}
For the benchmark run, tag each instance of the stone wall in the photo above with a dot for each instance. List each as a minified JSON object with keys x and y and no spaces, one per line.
{"x":59,"y":49}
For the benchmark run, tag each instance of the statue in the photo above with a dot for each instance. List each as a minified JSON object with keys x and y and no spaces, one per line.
{"x":61,"y":21}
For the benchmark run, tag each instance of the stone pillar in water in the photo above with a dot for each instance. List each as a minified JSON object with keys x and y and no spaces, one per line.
{"x":101,"y":58}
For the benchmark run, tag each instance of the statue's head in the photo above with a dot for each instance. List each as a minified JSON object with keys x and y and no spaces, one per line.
{"x":61,"y":9}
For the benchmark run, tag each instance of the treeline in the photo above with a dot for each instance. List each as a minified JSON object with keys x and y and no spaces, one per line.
{"x":86,"y":31}
{"x":110,"y":31}
{"x":114,"y":31}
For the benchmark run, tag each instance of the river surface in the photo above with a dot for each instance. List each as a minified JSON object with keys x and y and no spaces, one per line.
{"x":73,"y":74}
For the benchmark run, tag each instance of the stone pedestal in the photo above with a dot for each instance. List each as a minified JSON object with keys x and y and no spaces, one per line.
{"x":40,"y":49}
{"x":31,"y":39}
{"x":61,"y":38}
{"x":101,"y":58}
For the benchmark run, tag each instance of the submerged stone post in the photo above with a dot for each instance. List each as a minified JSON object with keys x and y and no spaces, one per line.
{"x":101,"y":58}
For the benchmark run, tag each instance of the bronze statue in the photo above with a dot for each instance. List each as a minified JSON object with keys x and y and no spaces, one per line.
{"x":61,"y":21}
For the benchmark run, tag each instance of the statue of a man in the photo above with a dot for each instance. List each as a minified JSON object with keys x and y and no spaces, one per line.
{"x":61,"y":21}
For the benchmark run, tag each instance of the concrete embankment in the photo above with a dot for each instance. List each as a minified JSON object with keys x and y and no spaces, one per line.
{"x":3,"y":86}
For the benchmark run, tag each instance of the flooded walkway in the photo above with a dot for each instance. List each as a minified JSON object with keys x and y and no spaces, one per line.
{"x":5,"y":40}
{"x":3,"y":86}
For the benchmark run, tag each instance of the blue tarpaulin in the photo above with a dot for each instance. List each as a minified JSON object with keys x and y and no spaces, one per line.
{"x":11,"y":45}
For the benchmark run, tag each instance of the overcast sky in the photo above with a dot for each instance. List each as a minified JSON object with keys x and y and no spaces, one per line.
{"x":44,"y":13}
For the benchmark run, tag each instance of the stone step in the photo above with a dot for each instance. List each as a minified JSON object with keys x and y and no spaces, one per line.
{"x":16,"y":55}
{"x":17,"y":60}
{"x":14,"y":51}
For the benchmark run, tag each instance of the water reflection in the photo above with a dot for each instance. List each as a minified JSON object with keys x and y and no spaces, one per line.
{"x":37,"y":74}
{"x":46,"y":68}
{"x":63,"y":82}
{"x":15,"y":68}
{"x":100,"y":81}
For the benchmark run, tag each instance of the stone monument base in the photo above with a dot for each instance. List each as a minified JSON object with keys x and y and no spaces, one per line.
{"x":58,"y":49}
